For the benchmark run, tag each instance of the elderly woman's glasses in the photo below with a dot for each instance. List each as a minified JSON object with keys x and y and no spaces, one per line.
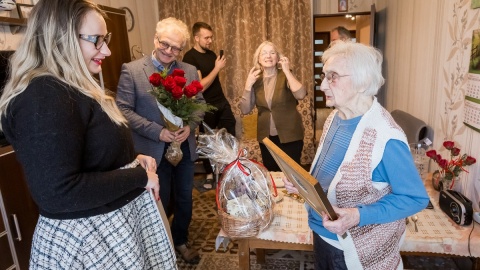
{"x":331,"y":77}
{"x":164,"y":46}
{"x":98,"y":40}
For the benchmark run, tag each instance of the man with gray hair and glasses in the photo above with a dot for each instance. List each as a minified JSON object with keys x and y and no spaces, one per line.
{"x":148,"y":127}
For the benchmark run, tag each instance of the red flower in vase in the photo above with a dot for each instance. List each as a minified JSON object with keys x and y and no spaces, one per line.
{"x":450,"y":169}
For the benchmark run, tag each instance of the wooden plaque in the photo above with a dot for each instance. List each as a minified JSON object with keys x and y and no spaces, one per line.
{"x":308,"y":187}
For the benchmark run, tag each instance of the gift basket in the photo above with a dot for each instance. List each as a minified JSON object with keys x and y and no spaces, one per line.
{"x":245,"y":192}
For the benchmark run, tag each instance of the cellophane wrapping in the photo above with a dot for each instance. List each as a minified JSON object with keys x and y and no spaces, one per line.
{"x":245,"y":191}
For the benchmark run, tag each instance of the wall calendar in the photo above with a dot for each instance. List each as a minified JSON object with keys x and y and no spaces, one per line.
{"x":472,"y":94}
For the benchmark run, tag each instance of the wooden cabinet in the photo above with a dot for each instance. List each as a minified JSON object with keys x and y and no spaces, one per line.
{"x":18,"y":211}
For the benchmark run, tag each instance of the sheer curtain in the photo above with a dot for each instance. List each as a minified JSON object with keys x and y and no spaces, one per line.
{"x":240,"y":26}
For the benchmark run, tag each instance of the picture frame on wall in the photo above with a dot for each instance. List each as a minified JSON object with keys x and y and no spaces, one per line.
{"x":342,"y":5}
{"x":24,"y":10}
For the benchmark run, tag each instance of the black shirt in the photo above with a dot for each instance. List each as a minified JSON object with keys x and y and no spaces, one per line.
{"x":71,"y":151}
{"x":205,"y":62}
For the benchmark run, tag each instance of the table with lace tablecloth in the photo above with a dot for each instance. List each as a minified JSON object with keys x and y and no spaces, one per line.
{"x":437,"y":233}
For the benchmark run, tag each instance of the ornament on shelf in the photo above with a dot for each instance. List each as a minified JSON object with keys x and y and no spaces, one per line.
{"x":7,"y":5}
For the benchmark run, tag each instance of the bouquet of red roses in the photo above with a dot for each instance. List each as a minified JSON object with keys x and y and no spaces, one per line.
{"x":178,"y":103}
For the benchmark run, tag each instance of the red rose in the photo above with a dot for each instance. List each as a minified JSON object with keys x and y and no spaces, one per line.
{"x":180,"y":81}
{"x":169,"y":83}
{"x":197,"y":85}
{"x":190,"y":91}
{"x":178,"y":72}
{"x":455,"y":151}
{"x":470,"y":160}
{"x":443,"y":163}
{"x":448,"y":144}
{"x":177,"y":92}
{"x":431,"y":154}
{"x":155,"y":79}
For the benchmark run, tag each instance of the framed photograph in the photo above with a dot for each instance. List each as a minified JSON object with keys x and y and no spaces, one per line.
{"x":307,"y":185}
{"x":24,"y":10}
{"x":342,"y":5}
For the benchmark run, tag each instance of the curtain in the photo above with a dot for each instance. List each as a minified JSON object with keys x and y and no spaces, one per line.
{"x":239,"y":27}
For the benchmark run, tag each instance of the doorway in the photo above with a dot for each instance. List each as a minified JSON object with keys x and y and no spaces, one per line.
{"x":362,"y":28}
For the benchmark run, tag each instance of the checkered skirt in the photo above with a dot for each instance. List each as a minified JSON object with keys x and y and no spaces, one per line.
{"x":132,"y":237}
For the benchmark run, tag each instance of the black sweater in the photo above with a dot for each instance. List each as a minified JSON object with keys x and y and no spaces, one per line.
{"x":70,"y":151}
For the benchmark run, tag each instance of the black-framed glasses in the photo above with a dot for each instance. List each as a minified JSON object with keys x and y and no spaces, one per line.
{"x":164,"y":46}
{"x":98,"y":40}
{"x":331,"y":77}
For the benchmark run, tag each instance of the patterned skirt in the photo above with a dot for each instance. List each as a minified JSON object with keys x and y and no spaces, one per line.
{"x":132,"y":237}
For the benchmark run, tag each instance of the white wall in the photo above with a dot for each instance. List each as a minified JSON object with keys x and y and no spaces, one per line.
{"x":426,"y":46}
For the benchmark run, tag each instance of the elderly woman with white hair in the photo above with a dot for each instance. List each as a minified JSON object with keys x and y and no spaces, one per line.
{"x":364,"y":165}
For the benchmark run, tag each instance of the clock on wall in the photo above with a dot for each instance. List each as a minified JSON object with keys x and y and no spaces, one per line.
{"x":129,"y":18}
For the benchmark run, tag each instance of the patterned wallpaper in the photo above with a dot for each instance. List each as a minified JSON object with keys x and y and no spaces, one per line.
{"x":461,"y":23}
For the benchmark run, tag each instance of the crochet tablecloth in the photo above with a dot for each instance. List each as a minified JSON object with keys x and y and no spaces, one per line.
{"x":290,"y":223}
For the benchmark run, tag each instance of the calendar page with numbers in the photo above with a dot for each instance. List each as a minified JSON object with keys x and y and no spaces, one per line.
{"x":472,"y":102}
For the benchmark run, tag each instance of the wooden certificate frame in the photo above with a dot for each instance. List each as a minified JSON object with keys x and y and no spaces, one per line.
{"x":308,"y":187}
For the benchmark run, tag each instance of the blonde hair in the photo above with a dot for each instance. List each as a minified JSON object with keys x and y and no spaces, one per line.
{"x":51,"y":47}
{"x":259,"y":50}
{"x":173,"y":24}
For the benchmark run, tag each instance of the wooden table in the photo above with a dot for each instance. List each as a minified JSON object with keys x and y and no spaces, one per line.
{"x":413,"y":245}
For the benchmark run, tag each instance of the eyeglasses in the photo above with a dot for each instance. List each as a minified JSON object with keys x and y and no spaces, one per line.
{"x":264,"y":53}
{"x":164,"y":46}
{"x":98,"y":40}
{"x":331,"y":77}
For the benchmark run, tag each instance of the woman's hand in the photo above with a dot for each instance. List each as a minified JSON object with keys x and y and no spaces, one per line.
{"x":284,"y":63}
{"x":148,"y":163}
{"x":150,"y":166}
{"x":347,"y":218}
{"x":289,"y":186}
{"x":253,"y":75}
{"x":182,"y":134}
{"x":153,"y":184}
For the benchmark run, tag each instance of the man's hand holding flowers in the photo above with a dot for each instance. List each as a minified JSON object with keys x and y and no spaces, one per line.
{"x":179,"y":107}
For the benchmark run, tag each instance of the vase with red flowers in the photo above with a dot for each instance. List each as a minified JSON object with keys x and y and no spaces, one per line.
{"x":449,"y":169}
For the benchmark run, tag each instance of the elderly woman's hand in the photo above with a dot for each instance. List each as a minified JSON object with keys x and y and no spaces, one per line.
{"x":347,"y":218}
{"x":289,"y":186}
{"x":252,"y":78}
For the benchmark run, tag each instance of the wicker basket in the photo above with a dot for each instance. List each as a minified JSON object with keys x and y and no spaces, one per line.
{"x":236,"y":227}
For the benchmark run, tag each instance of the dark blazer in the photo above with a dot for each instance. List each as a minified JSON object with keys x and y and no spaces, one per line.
{"x":141,"y":110}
